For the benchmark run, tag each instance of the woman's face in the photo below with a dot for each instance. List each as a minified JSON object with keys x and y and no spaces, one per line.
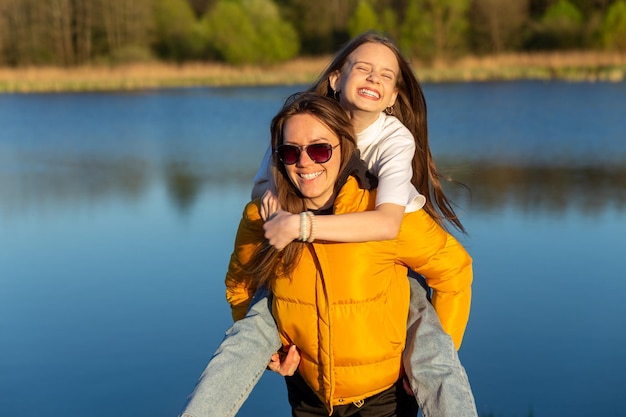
{"x":315,"y":181}
{"x":368,"y":79}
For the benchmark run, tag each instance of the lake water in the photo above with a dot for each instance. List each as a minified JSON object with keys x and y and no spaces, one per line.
{"x":118,"y":213}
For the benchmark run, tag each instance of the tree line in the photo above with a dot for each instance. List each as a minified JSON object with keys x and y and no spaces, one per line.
{"x":108,"y":32}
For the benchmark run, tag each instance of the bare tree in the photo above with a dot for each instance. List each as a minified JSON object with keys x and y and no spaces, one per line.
{"x":126,"y":24}
{"x":12,"y":30}
{"x":112,"y":12}
{"x":8,"y":48}
{"x":449,"y":23}
{"x":496,"y":24}
{"x":60,"y":13}
{"x":83,"y":18}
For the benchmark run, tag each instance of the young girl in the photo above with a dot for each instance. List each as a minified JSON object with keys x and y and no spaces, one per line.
{"x":378,"y":89}
{"x":369,"y":76}
{"x":371,"y":80}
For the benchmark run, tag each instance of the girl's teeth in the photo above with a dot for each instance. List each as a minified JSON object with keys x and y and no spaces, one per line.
{"x":368,"y":93}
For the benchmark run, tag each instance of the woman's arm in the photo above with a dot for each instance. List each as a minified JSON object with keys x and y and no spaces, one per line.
{"x":428,"y":249}
{"x":452,"y":274}
{"x":239,"y":287}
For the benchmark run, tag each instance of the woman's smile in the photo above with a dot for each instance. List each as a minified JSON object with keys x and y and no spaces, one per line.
{"x":310,"y":176}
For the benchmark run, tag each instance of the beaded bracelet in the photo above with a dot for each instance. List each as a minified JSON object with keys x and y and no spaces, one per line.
{"x":303,"y":218}
{"x":312,"y":221}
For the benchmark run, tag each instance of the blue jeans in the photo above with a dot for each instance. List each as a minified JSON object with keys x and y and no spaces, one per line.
{"x":430,"y":360}
{"x":432,"y":364}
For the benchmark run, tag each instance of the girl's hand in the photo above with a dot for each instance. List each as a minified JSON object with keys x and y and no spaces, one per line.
{"x":285,"y":362}
{"x":282,"y":228}
{"x":269,"y":205}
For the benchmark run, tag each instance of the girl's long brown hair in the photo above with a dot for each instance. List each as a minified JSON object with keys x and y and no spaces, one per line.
{"x":410,"y":109}
{"x":267,"y":262}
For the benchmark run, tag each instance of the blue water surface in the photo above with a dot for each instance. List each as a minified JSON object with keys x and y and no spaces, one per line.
{"x":118,"y":213}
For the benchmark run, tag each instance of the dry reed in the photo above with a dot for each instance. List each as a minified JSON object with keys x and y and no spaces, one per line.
{"x":581,"y":65}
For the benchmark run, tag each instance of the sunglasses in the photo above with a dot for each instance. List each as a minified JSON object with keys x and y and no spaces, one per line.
{"x":318,"y":152}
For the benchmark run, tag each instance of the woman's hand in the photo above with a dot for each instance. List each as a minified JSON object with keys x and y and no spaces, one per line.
{"x":407,"y":386}
{"x":286,"y":361}
{"x":282,"y":228}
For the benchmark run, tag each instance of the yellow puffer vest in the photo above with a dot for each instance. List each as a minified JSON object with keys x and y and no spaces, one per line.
{"x":346,"y":304}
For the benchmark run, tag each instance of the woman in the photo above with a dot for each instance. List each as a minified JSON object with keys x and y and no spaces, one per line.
{"x":375,"y":85}
{"x":343,"y":304}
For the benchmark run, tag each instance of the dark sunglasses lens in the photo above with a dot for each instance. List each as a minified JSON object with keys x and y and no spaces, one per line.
{"x":288,"y":154}
{"x":320,"y":152}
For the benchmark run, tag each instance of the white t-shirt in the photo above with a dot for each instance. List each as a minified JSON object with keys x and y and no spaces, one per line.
{"x":387,"y":147}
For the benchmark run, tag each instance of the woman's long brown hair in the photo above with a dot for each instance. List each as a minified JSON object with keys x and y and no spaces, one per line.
{"x":410,"y":109}
{"x":267,"y":262}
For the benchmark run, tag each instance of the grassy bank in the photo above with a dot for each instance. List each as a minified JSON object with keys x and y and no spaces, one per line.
{"x":575,"y":66}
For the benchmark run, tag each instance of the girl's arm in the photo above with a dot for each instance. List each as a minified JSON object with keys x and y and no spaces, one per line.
{"x":383,"y":223}
{"x":392,"y":166}
{"x":263,"y":176}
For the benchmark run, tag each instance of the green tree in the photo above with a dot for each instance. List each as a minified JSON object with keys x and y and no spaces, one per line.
{"x":560,"y":27}
{"x":321,"y":24}
{"x":434,"y":28}
{"x":277,"y":39}
{"x":177,"y":32}
{"x":250,"y":32}
{"x":563,"y":14}
{"x":614,"y":27}
{"x":389,"y":23}
{"x":363,"y":19}
{"x":230,"y":32}
{"x":416,"y":33}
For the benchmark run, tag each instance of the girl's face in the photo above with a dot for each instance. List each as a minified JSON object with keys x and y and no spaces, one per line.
{"x":315,"y":181}
{"x":368,"y":79}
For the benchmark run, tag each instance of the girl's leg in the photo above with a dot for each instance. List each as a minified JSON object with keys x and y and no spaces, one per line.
{"x":237,"y":364}
{"x":431,"y":363}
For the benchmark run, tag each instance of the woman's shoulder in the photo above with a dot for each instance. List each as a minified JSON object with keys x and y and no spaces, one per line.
{"x":352,"y":198}
{"x":252,"y":211}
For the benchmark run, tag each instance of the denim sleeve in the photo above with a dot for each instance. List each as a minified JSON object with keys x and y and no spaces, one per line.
{"x":237,"y":364}
{"x":432,"y":364}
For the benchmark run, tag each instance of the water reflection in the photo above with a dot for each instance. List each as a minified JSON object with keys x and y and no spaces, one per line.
{"x":56,"y":181}
{"x":549,"y":189}
{"x":183,"y":185}
{"x":47,"y":182}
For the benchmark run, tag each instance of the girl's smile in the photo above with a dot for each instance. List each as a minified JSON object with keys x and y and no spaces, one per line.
{"x":367,"y":83}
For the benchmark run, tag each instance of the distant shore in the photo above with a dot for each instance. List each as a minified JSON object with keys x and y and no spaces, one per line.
{"x":573,"y":66}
